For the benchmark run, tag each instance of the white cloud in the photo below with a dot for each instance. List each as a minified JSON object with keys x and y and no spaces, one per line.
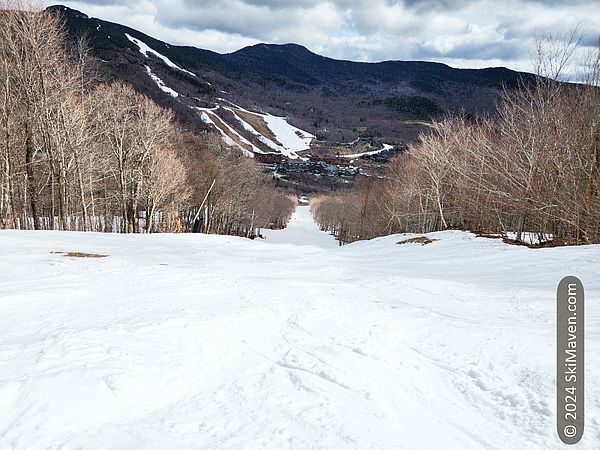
{"x":462,"y":33}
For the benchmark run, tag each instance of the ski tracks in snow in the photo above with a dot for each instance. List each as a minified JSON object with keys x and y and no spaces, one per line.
{"x":194,"y":341}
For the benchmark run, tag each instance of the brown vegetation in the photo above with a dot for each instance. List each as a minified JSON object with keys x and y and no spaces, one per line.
{"x":535,"y":167}
{"x":84,"y":255}
{"x":79,"y":154}
{"x":258,"y":124}
{"x":423,"y":240}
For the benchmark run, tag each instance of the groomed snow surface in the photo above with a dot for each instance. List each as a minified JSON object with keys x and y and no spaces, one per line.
{"x":291,"y":138}
{"x":268,"y":142}
{"x":198,"y":341}
{"x":205,"y":116}
{"x":145,"y":49}
{"x":160,"y":83}
{"x":385,"y":148}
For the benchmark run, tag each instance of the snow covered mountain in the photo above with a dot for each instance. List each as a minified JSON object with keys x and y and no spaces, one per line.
{"x":291,"y":342}
{"x":332,"y":100}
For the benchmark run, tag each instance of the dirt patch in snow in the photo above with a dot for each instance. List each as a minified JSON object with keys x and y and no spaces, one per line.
{"x":423,"y":240}
{"x":82,"y":255}
{"x":221,"y":124}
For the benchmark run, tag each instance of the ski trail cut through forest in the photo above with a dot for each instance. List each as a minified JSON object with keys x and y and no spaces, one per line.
{"x":301,"y":230}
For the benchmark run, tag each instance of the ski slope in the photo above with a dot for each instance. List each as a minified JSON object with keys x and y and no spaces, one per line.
{"x":287,"y":139}
{"x":197,"y":341}
{"x":293,"y":139}
{"x":385,"y":148}
{"x":301,"y":230}
{"x":161,"y":84}
{"x":145,"y":50}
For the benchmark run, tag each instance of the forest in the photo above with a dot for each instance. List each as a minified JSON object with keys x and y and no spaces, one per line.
{"x":530,"y":169}
{"x":82,"y":152}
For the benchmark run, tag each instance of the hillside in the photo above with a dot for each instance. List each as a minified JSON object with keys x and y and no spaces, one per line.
{"x":333,"y":100}
{"x":292,"y":342}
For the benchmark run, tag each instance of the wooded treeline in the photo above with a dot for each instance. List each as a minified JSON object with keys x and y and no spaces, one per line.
{"x":534,"y":167}
{"x":77,"y":153}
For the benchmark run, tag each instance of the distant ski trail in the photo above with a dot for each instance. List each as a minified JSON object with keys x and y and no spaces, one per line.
{"x":302,"y":230}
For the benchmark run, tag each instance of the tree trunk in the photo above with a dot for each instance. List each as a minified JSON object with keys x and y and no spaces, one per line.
{"x":31,"y":184}
{"x":84,"y":210}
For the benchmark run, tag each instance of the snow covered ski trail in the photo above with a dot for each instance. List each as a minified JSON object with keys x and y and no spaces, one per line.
{"x":199,"y":341}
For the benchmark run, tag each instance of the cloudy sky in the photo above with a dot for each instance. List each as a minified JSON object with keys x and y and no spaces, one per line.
{"x":462,"y":33}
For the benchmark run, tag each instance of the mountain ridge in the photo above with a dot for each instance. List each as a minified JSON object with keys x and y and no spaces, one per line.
{"x":335,"y":100}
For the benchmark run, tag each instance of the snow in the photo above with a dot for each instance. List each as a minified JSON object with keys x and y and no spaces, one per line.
{"x":198,"y":341}
{"x":301,"y":230}
{"x":246,"y":126}
{"x":293,"y":139}
{"x":529,"y":237}
{"x":145,"y":49}
{"x":373,"y":152}
{"x":255,"y":149}
{"x":224,"y":100}
{"x":160,"y":83}
{"x":205,"y":117}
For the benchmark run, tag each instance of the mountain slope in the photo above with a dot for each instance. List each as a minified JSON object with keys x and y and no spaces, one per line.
{"x":334,"y":100}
